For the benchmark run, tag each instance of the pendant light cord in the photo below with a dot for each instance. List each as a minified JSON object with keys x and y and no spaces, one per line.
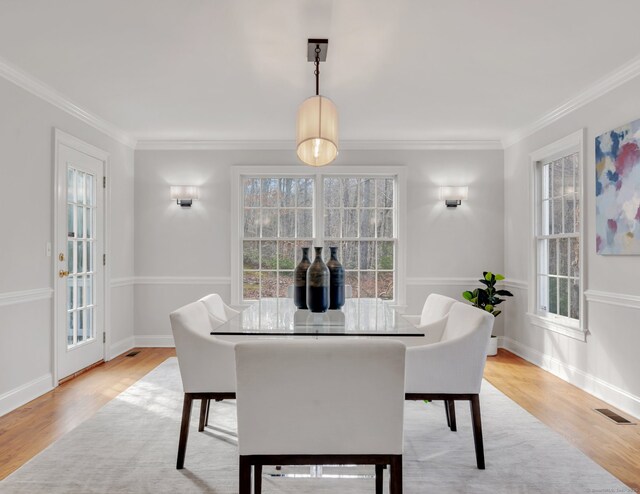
{"x":317,"y":71}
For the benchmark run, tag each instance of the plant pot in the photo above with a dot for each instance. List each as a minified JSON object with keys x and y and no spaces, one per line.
{"x":492,"y":347}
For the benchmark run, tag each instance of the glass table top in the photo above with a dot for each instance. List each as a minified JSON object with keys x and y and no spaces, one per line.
{"x":279,"y":317}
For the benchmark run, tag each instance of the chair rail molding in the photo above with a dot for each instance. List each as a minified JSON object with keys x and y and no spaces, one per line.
{"x":183,"y":280}
{"x":441,"y":281}
{"x":22,"y":296}
{"x":126,"y":281}
{"x":611,"y":298}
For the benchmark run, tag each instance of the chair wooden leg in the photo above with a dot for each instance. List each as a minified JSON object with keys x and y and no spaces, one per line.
{"x":257,"y":479}
{"x":245,"y":476}
{"x":477,"y":430}
{"x":446,"y":411}
{"x":184,"y":430}
{"x":395,"y":475}
{"x":379,"y":478}
{"x":452,"y":415}
{"x":204,"y":413}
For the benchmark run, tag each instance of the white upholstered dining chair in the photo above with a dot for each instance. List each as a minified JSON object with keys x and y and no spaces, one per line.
{"x":451,"y":369}
{"x":433,"y":318}
{"x":217,"y":308}
{"x":320,"y":402}
{"x":207,"y":365}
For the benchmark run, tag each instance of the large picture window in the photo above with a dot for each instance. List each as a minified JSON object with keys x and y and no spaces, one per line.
{"x":353,"y":212}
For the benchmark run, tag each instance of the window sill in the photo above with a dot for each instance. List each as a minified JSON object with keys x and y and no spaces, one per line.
{"x":557,"y":326}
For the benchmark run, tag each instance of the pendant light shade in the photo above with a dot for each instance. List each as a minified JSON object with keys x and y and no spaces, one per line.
{"x":317,"y":131}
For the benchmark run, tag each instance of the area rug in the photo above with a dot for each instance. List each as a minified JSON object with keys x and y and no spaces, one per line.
{"x":130,"y":446}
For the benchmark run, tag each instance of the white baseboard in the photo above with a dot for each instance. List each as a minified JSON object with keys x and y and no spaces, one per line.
{"x":24,"y":394}
{"x":165,"y":341}
{"x":614,"y":395}
{"x":119,"y":347}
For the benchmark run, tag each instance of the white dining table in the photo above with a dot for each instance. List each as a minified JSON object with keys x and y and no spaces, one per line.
{"x":359,"y":317}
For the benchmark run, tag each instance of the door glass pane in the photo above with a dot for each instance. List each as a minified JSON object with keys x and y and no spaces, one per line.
{"x":90,"y":328}
{"x":88,"y":222}
{"x":80,"y":257}
{"x":81,"y":321}
{"x":71,"y":185}
{"x":69,"y":328}
{"x":80,"y":222}
{"x":71,"y":230}
{"x":70,"y":292}
{"x":80,"y":199}
{"x":88,"y":290}
{"x":90,"y":188}
{"x":71,"y":266}
{"x":80,"y":289}
{"x":89,"y":256}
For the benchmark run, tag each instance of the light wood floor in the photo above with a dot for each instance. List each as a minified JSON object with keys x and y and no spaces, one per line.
{"x":566,"y":409}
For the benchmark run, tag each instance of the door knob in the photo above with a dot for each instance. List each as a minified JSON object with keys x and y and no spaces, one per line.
{"x":63,"y":274}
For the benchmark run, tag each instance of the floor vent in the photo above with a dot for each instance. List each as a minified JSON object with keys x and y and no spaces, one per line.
{"x":610,"y":414}
{"x":133,"y":354}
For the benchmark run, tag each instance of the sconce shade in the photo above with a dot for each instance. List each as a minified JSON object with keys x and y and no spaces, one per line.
{"x":453,"y":195}
{"x":317,"y":131}
{"x":184,"y":194}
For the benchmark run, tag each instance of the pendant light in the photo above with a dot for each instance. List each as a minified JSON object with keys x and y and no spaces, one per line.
{"x":317,"y":124}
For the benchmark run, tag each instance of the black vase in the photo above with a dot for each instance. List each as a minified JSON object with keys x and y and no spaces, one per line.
{"x":318,"y":284}
{"x":300,"y":281}
{"x":336,"y":281}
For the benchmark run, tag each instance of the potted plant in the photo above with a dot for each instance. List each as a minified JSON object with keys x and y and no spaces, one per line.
{"x":487,"y":299}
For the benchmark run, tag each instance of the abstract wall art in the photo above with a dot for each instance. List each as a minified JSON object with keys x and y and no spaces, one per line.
{"x":618,"y":191}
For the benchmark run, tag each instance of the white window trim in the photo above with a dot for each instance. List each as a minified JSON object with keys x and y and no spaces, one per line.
{"x":237,"y":172}
{"x":552,"y":322}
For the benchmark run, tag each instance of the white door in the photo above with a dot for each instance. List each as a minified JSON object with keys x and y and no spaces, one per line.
{"x":79,"y":261}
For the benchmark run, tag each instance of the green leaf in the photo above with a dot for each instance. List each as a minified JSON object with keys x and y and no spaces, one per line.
{"x":505,"y":293}
{"x":499,"y":277}
{"x":487,"y":275}
{"x":488,"y":308}
{"x":467,"y":295}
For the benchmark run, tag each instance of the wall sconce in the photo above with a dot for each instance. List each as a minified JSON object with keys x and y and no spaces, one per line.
{"x":453,"y":196}
{"x":184,"y":194}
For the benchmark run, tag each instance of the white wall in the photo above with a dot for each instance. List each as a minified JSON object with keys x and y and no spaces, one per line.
{"x":607,"y":364}
{"x":26,"y":189}
{"x":181,"y":254}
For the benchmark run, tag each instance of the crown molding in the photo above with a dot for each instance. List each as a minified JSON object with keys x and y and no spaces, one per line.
{"x":279,"y":145}
{"x":50,"y":95}
{"x":622,"y":74}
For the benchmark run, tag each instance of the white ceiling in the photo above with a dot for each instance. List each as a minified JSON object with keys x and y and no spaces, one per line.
{"x":397,"y":70}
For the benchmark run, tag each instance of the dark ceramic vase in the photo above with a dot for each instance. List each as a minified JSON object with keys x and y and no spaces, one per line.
{"x":300,"y":281}
{"x":318,"y":284}
{"x":336,"y":281}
